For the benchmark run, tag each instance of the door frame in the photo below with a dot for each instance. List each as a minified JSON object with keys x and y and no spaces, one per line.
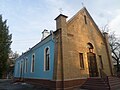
{"x":92,"y":73}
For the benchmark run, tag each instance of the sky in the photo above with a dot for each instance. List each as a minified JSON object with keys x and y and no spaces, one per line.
{"x":28,"y":18}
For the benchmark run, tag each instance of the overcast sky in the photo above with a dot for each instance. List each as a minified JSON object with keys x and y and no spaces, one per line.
{"x":28,"y":18}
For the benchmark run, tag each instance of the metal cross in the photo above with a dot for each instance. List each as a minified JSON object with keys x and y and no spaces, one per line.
{"x":60,"y":10}
{"x":82,"y":4}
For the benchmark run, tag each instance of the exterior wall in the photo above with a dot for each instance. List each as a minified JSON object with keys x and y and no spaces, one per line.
{"x":38,"y":50}
{"x":58,"y":70}
{"x":75,"y":35}
{"x":78,"y":35}
{"x":70,"y":39}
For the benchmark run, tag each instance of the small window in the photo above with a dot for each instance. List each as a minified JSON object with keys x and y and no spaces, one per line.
{"x":101,"y":63}
{"x":33,"y":63}
{"x":26,"y":65}
{"x":85,"y":19}
{"x":47,"y":59}
{"x":81,"y":60}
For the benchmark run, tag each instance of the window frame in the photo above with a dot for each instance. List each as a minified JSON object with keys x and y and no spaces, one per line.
{"x":45,"y":69}
{"x":101,"y":61}
{"x":18,"y":67}
{"x":33,"y":63}
{"x":85,"y":19}
{"x":21,"y":67}
{"x":81,"y":60}
{"x":26,"y":65}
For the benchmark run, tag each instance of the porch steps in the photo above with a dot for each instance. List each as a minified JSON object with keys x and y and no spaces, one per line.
{"x":113,"y":83}
{"x":95,"y":84}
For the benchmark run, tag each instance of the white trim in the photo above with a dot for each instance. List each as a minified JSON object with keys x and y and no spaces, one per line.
{"x":32,"y":63}
{"x":45,"y":58}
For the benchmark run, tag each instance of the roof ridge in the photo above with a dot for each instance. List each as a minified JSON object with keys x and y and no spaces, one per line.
{"x":84,"y":8}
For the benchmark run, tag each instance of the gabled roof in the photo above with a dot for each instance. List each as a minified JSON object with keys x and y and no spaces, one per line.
{"x":87,"y":13}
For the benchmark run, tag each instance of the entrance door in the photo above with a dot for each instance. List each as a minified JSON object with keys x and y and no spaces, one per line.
{"x":93,"y":71}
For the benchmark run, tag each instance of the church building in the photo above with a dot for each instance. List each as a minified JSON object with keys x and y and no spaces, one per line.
{"x":67,"y":57}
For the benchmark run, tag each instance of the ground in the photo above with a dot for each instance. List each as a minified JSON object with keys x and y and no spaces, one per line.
{"x":6,"y":84}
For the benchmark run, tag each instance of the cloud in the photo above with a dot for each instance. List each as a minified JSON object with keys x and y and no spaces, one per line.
{"x":115,"y":22}
{"x":28,"y":18}
{"x":66,"y":6}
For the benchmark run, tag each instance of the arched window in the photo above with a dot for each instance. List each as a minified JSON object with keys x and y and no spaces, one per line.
{"x":81,"y":60}
{"x":33,"y":63}
{"x":18,"y":66}
{"x":47,"y":59}
{"x":90,"y":47}
{"x":26,"y":64}
{"x":21,"y":68}
{"x":85,"y":19}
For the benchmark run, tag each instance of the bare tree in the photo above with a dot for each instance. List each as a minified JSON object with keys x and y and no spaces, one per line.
{"x":114,"y":45}
{"x":11,"y":63}
{"x":115,"y":48}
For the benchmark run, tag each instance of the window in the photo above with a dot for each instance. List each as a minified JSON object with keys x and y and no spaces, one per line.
{"x":26,"y":64}
{"x":47,"y":59}
{"x":81,"y":60}
{"x":18,"y":65}
{"x":21,"y":68}
{"x":85,"y":19}
{"x":101,"y":63}
{"x":90,"y":47}
{"x":33,"y":63}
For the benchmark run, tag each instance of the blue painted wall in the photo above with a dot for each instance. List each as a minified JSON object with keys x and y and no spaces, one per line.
{"x":38,"y":50}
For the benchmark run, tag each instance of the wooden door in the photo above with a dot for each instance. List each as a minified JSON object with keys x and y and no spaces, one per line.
{"x":92,"y":64}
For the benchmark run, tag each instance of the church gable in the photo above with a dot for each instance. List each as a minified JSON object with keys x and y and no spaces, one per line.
{"x":86,"y":49}
{"x":83,"y":23}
